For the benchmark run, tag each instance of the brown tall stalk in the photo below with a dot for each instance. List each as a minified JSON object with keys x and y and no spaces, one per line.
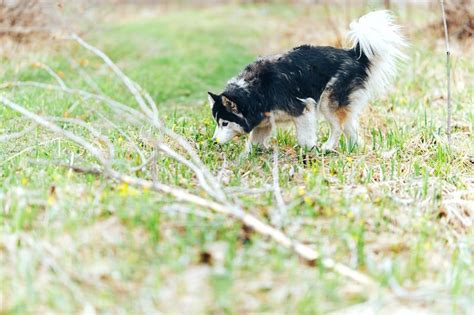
{"x":448,"y":72}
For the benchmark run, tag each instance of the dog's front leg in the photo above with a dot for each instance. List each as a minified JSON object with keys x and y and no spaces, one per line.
{"x":259,"y":136}
{"x":306,"y":129}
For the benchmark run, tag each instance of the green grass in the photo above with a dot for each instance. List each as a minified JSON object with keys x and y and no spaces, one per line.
{"x":71,"y":242}
{"x":180,"y":55}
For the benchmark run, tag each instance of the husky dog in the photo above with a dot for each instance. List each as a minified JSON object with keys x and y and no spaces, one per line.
{"x":309,"y":81}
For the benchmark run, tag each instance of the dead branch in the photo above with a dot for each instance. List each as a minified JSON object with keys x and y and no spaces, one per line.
{"x":91,"y":129}
{"x":140,"y":96}
{"x":277,"y":191}
{"x":448,"y":72}
{"x":127,"y":111}
{"x":85,"y":76}
{"x":52,"y":73}
{"x":11,"y":157}
{"x":16,"y":135}
{"x":126,"y":136}
{"x":200,"y":175}
{"x":302,"y":250}
{"x":147,"y":115}
{"x":55,"y":128}
{"x":131,"y":86}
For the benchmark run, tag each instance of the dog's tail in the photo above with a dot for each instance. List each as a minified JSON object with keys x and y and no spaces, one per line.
{"x":376,"y":36}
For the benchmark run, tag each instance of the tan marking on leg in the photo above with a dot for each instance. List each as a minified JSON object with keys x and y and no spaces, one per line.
{"x":330,"y":110}
{"x":342,"y":113}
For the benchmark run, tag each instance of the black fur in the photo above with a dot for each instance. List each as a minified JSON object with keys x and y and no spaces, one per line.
{"x":277,"y":83}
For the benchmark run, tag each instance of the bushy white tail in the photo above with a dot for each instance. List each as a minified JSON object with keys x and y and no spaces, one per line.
{"x":376,"y":36}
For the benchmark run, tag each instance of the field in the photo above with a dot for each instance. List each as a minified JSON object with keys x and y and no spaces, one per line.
{"x":399,"y":209}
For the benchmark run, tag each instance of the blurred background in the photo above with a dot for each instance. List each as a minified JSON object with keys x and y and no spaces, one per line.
{"x":21,"y":19}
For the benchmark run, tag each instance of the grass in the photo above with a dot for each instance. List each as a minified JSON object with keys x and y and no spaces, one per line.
{"x":72,"y":242}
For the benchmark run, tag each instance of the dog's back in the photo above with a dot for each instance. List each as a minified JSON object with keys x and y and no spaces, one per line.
{"x":279,"y":82}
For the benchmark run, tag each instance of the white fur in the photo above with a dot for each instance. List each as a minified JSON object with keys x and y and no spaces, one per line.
{"x":325,"y":108}
{"x":260,"y":136}
{"x":210,"y":100}
{"x":381,"y":41}
{"x":358,"y":100}
{"x":224,"y":134}
{"x":238,"y":81}
{"x":307,"y":124}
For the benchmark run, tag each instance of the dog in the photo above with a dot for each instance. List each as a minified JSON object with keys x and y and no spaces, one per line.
{"x":308,"y":82}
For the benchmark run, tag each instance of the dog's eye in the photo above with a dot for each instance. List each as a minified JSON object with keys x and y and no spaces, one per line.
{"x":224,"y":124}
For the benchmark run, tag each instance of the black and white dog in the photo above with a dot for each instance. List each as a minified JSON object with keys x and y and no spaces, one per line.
{"x":308,"y":81}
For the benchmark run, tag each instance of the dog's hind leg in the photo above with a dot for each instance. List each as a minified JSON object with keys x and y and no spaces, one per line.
{"x":306,"y":125}
{"x":336,"y":131}
{"x":336,"y":117}
{"x":351,"y":131}
{"x":358,"y":101}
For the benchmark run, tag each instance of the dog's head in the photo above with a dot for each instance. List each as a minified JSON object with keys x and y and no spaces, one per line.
{"x":229,"y":117}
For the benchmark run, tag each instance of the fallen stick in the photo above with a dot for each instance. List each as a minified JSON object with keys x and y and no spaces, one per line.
{"x":305,"y":252}
{"x":448,"y":73}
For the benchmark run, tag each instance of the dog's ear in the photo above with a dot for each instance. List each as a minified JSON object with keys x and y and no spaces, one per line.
{"x":211,"y":99}
{"x":229,"y":105}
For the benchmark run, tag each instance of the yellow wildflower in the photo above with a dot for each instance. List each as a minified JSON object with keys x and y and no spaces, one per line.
{"x":123,"y":189}
{"x":51,"y":199}
{"x":301,"y":191}
{"x":308,"y":200}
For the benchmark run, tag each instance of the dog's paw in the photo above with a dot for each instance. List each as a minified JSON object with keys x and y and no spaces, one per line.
{"x":327,"y":148}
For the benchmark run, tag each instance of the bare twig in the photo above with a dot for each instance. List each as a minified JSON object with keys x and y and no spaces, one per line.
{"x":73,"y":106}
{"x":220,"y":175}
{"x":11,"y":157}
{"x":126,"y":136}
{"x":147,"y":116}
{"x":251,"y":221}
{"x":25,"y":30}
{"x":16,"y":135}
{"x":55,"y":128}
{"x":85,"y":76}
{"x":139,"y":95}
{"x":130,"y":113}
{"x":277,"y":191}
{"x":131,"y":86}
{"x":52,"y":73}
{"x":151,"y":103}
{"x":200,"y":175}
{"x":248,"y":191}
{"x":247,"y":219}
{"x":91,"y":129}
{"x":448,"y":72}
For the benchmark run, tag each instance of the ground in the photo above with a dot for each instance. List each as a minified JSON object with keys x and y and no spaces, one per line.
{"x":399,"y":209}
